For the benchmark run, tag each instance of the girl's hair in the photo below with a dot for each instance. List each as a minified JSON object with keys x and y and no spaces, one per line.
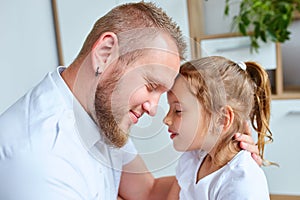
{"x":218,"y":82}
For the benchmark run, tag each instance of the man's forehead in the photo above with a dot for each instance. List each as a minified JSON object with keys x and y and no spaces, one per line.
{"x":161,"y":74}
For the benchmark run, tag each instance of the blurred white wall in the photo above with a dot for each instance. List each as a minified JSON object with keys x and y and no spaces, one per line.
{"x":27,"y":47}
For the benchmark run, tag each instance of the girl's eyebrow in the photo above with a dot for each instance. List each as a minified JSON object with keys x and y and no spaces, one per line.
{"x":175,"y":100}
{"x":176,"y":103}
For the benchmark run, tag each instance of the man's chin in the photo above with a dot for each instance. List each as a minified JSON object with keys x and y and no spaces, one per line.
{"x":118,"y":141}
{"x":126,"y":125}
{"x":116,"y":134}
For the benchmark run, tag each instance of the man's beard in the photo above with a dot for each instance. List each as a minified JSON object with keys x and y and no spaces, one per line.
{"x":105,"y":117}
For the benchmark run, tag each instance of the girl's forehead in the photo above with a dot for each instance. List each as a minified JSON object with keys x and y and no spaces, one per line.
{"x":180,"y":92}
{"x":180,"y":85}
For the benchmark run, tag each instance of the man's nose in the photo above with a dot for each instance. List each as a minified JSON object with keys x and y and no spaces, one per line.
{"x":151,"y":105}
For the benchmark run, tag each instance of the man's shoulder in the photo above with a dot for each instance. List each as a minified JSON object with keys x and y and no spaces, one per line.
{"x":21,"y":121}
{"x":14,"y":127}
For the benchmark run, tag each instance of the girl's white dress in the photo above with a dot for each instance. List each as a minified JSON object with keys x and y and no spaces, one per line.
{"x":239,"y":179}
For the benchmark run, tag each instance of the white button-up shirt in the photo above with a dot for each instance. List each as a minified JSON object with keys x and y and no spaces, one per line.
{"x":50,"y":148}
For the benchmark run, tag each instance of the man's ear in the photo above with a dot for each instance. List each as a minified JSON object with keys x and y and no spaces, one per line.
{"x":228,"y":117}
{"x":105,"y":51}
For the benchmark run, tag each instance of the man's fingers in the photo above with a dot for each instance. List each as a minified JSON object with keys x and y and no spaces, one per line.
{"x":257,"y":159}
{"x":254,"y":152}
{"x":246,"y":142}
{"x":244,"y":138}
{"x":249,"y":147}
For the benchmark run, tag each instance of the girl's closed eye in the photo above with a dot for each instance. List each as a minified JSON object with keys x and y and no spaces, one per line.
{"x":177,"y":109}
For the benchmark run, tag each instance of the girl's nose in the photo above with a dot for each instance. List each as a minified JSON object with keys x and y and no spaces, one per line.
{"x":167,"y":120}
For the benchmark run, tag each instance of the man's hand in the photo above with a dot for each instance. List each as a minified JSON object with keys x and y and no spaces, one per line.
{"x":247,"y":143}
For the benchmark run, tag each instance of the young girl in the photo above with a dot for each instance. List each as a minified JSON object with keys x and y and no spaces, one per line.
{"x":210,"y":101}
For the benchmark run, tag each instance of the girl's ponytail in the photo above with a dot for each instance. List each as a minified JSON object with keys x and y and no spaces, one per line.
{"x":260,"y":115}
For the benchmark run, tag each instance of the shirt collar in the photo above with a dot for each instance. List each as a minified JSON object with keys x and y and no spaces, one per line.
{"x":62,"y":86}
{"x":88,"y":131}
{"x":90,"y":136}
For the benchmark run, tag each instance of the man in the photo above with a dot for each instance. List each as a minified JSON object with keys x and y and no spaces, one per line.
{"x":67,"y":138}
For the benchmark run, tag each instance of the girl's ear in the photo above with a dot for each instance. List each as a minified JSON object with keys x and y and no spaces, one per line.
{"x":104,"y":51}
{"x":228,"y":116}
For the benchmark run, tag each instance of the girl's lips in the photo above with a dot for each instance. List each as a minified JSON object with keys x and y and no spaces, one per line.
{"x":173,"y":134}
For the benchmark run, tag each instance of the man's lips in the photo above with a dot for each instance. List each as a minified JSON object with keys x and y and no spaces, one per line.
{"x":134,"y":116}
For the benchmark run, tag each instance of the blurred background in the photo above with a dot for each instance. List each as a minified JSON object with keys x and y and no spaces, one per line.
{"x":33,"y":42}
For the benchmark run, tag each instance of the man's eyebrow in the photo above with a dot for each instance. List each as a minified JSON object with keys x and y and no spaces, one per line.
{"x":153,"y":79}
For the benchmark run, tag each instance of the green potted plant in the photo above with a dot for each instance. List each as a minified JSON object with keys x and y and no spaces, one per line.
{"x":266,"y":20}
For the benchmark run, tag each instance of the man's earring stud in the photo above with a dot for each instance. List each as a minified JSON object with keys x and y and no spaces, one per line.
{"x":97,"y":73}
